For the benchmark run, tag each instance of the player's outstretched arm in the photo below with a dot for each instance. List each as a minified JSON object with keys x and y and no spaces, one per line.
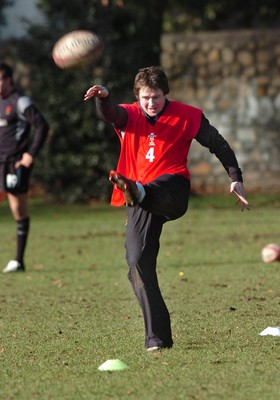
{"x":106,"y":110}
{"x":96,"y":91}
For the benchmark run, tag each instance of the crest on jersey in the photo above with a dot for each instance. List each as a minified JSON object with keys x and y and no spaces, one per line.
{"x":152,"y":137}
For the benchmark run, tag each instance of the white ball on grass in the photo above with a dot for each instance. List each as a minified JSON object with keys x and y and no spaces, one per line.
{"x":271,"y":253}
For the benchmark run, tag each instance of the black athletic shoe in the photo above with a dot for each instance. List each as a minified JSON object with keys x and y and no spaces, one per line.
{"x":127,"y":186}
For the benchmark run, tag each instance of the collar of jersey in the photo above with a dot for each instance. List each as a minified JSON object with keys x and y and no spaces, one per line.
{"x":153,"y":120}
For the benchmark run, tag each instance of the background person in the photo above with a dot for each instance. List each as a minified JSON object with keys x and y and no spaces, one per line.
{"x":153,"y":180}
{"x":18,"y":115}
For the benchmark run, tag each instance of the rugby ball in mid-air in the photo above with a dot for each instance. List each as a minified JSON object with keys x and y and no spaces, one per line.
{"x":77,"y":48}
{"x":271,"y":253}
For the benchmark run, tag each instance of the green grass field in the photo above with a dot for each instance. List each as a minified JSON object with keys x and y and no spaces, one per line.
{"x":73,"y":308}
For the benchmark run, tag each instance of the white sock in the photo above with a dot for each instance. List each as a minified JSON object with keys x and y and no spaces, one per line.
{"x":141,"y":191}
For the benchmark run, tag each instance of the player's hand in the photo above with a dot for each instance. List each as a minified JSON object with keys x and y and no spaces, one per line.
{"x":238,"y":189}
{"x":25,"y":161}
{"x":96,"y":91}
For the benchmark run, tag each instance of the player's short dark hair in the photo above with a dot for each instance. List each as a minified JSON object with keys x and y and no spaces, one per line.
{"x":152,"y":77}
{"x":7,"y":70}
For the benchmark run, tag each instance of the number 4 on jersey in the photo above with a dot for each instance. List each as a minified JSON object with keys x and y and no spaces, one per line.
{"x":150,"y":155}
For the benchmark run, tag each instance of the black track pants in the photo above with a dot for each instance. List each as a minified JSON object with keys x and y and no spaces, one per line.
{"x":166,"y":199}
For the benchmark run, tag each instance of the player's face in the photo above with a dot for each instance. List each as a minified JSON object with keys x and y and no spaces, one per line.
{"x":5,"y":85}
{"x":151,"y":100}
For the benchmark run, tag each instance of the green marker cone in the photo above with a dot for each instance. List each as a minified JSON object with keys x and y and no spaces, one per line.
{"x":113,"y":365}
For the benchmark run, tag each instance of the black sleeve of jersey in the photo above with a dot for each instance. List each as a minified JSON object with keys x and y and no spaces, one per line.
{"x":41,"y":127}
{"x":209,"y":137}
{"x":109,"y":112}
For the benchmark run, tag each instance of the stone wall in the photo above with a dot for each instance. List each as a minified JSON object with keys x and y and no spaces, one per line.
{"x":234,"y":76}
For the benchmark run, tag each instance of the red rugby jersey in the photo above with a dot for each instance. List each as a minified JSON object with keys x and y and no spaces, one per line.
{"x":151,"y":150}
